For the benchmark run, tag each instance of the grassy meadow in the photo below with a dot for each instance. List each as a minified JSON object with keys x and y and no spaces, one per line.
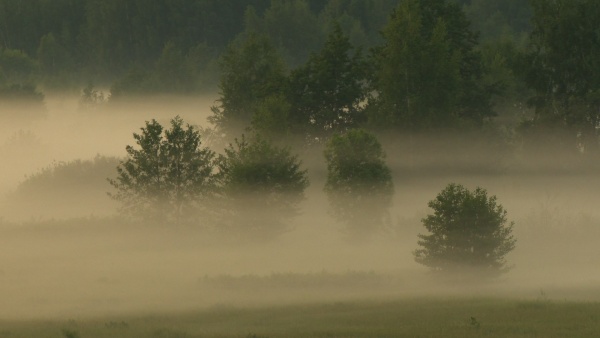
{"x":425,"y":317}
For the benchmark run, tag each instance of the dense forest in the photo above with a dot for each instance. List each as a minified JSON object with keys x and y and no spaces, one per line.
{"x":72,"y":42}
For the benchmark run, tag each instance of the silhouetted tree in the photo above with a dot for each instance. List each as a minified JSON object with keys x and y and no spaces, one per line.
{"x":469,"y":232}
{"x":168,"y":176}
{"x":359,"y":183}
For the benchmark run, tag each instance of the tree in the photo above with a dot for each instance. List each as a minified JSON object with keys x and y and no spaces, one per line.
{"x":251,"y":72}
{"x":168,"y":176}
{"x":359,"y":183}
{"x":468,"y":233}
{"x":428,"y":71}
{"x":327,"y":92}
{"x":263,"y":184}
{"x":562,"y":66}
{"x":16,"y":67}
{"x":272,"y":118}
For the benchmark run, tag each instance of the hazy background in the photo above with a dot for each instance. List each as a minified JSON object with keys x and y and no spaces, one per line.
{"x":63,"y":256}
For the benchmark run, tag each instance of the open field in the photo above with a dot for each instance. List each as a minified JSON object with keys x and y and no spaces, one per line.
{"x":70,"y":267}
{"x":427,"y":317}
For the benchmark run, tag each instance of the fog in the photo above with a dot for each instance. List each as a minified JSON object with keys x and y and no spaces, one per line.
{"x":65,"y":255}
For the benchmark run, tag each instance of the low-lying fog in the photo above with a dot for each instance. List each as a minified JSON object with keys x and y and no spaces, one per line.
{"x":59,"y":258}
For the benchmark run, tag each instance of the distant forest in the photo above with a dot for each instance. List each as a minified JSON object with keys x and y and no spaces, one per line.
{"x":313,"y":67}
{"x":62,"y":43}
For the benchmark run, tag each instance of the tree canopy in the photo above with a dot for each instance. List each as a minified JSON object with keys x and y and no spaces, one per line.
{"x":561,"y":66}
{"x":326,"y":93}
{"x":428,"y":70}
{"x":263,"y":185}
{"x":359,"y":183}
{"x":468,"y":232}
{"x":251,"y":73}
{"x":167,"y":177}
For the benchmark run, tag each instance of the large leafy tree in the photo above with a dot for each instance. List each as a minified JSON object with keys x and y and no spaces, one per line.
{"x":252,"y":71}
{"x":428,"y":70}
{"x":359,"y":183}
{"x":468,"y":232}
{"x":263,"y":185}
{"x":562,"y":67}
{"x":326,"y":93}
{"x":168,"y":177}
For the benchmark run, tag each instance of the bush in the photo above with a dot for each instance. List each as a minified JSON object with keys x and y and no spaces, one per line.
{"x":64,"y":189}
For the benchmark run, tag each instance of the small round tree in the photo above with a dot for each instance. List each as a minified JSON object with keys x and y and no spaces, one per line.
{"x":468,"y":232}
{"x":168,"y":177}
{"x":359,"y":182}
{"x":262,"y":184}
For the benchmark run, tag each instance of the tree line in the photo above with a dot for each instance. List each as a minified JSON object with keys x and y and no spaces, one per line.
{"x":311,"y":68}
{"x":430,"y":72}
{"x":72,"y":42}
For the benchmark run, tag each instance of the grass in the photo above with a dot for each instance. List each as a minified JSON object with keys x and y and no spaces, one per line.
{"x":434,"y":317}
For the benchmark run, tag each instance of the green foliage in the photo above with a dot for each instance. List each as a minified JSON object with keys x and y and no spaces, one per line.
{"x":272,"y":117}
{"x":252,"y":71}
{"x":54,"y":59}
{"x":294,"y":29}
{"x":326,"y":93}
{"x":361,"y":20}
{"x":359,"y":183}
{"x":468,"y":233}
{"x":500,"y":19}
{"x":428,"y":71}
{"x":168,"y":177}
{"x":16,"y":67}
{"x":264,"y":185}
{"x":22,"y":92}
{"x":70,"y":333}
{"x":175,"y":72}
{"x":561,"y":68}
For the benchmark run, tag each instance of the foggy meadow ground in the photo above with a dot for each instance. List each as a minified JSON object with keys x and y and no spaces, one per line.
{"x":65,"y":254}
